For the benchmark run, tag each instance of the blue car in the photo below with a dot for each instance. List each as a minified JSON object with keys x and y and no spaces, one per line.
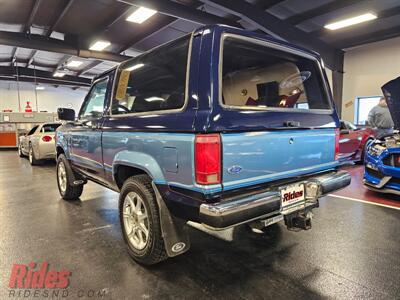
{"x":220,"y":127}
{"x":382,"y":160}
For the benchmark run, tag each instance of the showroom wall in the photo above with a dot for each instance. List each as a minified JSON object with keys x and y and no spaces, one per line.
{"x":48,"y":99}
{"x":367,"y":68}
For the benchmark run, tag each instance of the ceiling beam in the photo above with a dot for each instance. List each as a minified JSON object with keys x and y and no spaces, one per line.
{"x":34,"y":41}
{"x":372,"y":37}
{"x":160,"y":23}
{"x":31,"y":58}
{"x":28,"y":24}
{"x":273,"y":25}
{"x":30,"y":75}
{"x":13,"y":56}
{"x":25,"y":61}
{"x":266,"y":4}
{"x":181,"y":11}
{"x":321,"y":10}
{"x":62,"y":61}
{"x":59,"y":18}
{"x":88,"y":67}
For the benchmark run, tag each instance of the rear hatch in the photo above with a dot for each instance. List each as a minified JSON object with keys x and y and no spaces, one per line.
{"x":276,"y":114}
{"x":391,"y":91}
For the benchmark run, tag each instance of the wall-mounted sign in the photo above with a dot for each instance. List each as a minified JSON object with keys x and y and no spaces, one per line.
{"x":348,"y":104}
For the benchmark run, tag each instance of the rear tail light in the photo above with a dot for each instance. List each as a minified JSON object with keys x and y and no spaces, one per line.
{"x":337,"y":139}
{"x":207,"y":158}
{"x":46,"y":138}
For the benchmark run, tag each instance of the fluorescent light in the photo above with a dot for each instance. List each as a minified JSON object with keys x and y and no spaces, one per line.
{"x":140,"y":15}
{"x":351,"y":21}
{"x":150,"y":99}
{"x":74,"y":63}
{"x":100,"y":45}
{"x":39,"y":87}
{"x":59,"y":74}
{"x":135,"y":67}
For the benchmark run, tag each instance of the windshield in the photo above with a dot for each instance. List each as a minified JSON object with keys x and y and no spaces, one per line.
{"x":257,"y":76}
{"x":50,"y":127}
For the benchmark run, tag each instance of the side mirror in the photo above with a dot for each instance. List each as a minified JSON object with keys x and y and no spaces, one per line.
{"x":66,"y":114}
{"x":345,"y":131}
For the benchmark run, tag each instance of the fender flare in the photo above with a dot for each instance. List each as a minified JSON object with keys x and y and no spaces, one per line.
{"x":140,"y":161}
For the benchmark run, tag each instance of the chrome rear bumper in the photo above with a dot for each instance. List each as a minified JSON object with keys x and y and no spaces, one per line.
{"x":242,"y":210}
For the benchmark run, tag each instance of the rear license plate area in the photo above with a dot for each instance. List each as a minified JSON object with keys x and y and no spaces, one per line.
{"x":292,"y":198}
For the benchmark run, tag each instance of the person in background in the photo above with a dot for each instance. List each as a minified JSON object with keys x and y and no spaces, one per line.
{"x":380,"y":119}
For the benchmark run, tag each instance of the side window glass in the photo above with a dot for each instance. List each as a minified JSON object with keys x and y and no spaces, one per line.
{"x":153,"y":82}
{"x":94,"y":103}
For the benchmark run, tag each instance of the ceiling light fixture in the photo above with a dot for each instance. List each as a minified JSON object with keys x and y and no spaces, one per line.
{"x":351,"y":21}
{"x":74,"y":63}
{"x":141,"y":14}
{"x":100,"y":45}
{"x":135,"y":67}
{"x":58,"y":74}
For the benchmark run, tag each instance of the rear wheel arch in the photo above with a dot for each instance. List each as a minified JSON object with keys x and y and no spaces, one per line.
{"x":59,"y":150}
{"x":123,"y":172}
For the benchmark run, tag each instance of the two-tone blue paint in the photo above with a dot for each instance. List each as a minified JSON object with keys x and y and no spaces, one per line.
{"x":273,"y":155}
{"x":162,"y":143}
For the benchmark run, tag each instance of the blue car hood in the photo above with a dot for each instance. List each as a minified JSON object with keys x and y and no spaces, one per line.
{"x":391,"y":91}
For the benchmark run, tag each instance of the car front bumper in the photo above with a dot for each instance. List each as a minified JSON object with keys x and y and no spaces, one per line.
{"x":245,"y":209}
{"x":380,"y":177}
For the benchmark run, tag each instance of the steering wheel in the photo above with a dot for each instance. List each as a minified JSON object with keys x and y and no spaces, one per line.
{"x":124,"y":108}
{"x":294,"y":80}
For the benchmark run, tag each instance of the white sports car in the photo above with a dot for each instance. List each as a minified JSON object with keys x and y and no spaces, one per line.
{"x":38,"y":144}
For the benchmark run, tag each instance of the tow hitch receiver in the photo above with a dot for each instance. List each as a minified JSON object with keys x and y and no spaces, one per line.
{"x":299,"y":220}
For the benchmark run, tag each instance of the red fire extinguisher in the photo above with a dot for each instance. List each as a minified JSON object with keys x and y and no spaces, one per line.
{"x":28,"y":108}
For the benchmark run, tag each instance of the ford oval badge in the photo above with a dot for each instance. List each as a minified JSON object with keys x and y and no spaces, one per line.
{"x":235,"y":169}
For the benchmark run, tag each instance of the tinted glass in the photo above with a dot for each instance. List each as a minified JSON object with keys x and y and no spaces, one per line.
{"x":155,"y":81}
{"x":94,"y":104}
{"x":32,"y":131}
{"x":265,"y":77}
{"x":50,"y":127}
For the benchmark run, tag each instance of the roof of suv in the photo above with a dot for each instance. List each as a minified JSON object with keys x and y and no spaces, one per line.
{"x":225,"y":28}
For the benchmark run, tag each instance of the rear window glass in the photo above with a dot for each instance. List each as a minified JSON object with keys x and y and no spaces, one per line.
{"x":257,"y":76}
{"x":155,"y":81}
{"x":50,"y":127}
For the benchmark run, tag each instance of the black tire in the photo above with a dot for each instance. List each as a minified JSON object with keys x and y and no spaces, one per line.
{"x":154,"y":250}
{"x":31,"y":155}
{"x":71,"y":191}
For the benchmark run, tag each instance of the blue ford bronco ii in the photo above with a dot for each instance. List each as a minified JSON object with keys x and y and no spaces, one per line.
{"x":220,"y":127}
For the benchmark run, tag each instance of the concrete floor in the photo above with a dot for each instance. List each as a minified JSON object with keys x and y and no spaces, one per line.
{"x":351,"y":252}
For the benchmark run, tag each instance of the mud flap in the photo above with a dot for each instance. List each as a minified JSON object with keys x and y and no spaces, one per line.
{"x":174,"y":230}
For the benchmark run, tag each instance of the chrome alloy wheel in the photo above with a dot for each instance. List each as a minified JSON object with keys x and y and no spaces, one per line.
{"x":62,"y":177}
{"x":136,"y":221}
